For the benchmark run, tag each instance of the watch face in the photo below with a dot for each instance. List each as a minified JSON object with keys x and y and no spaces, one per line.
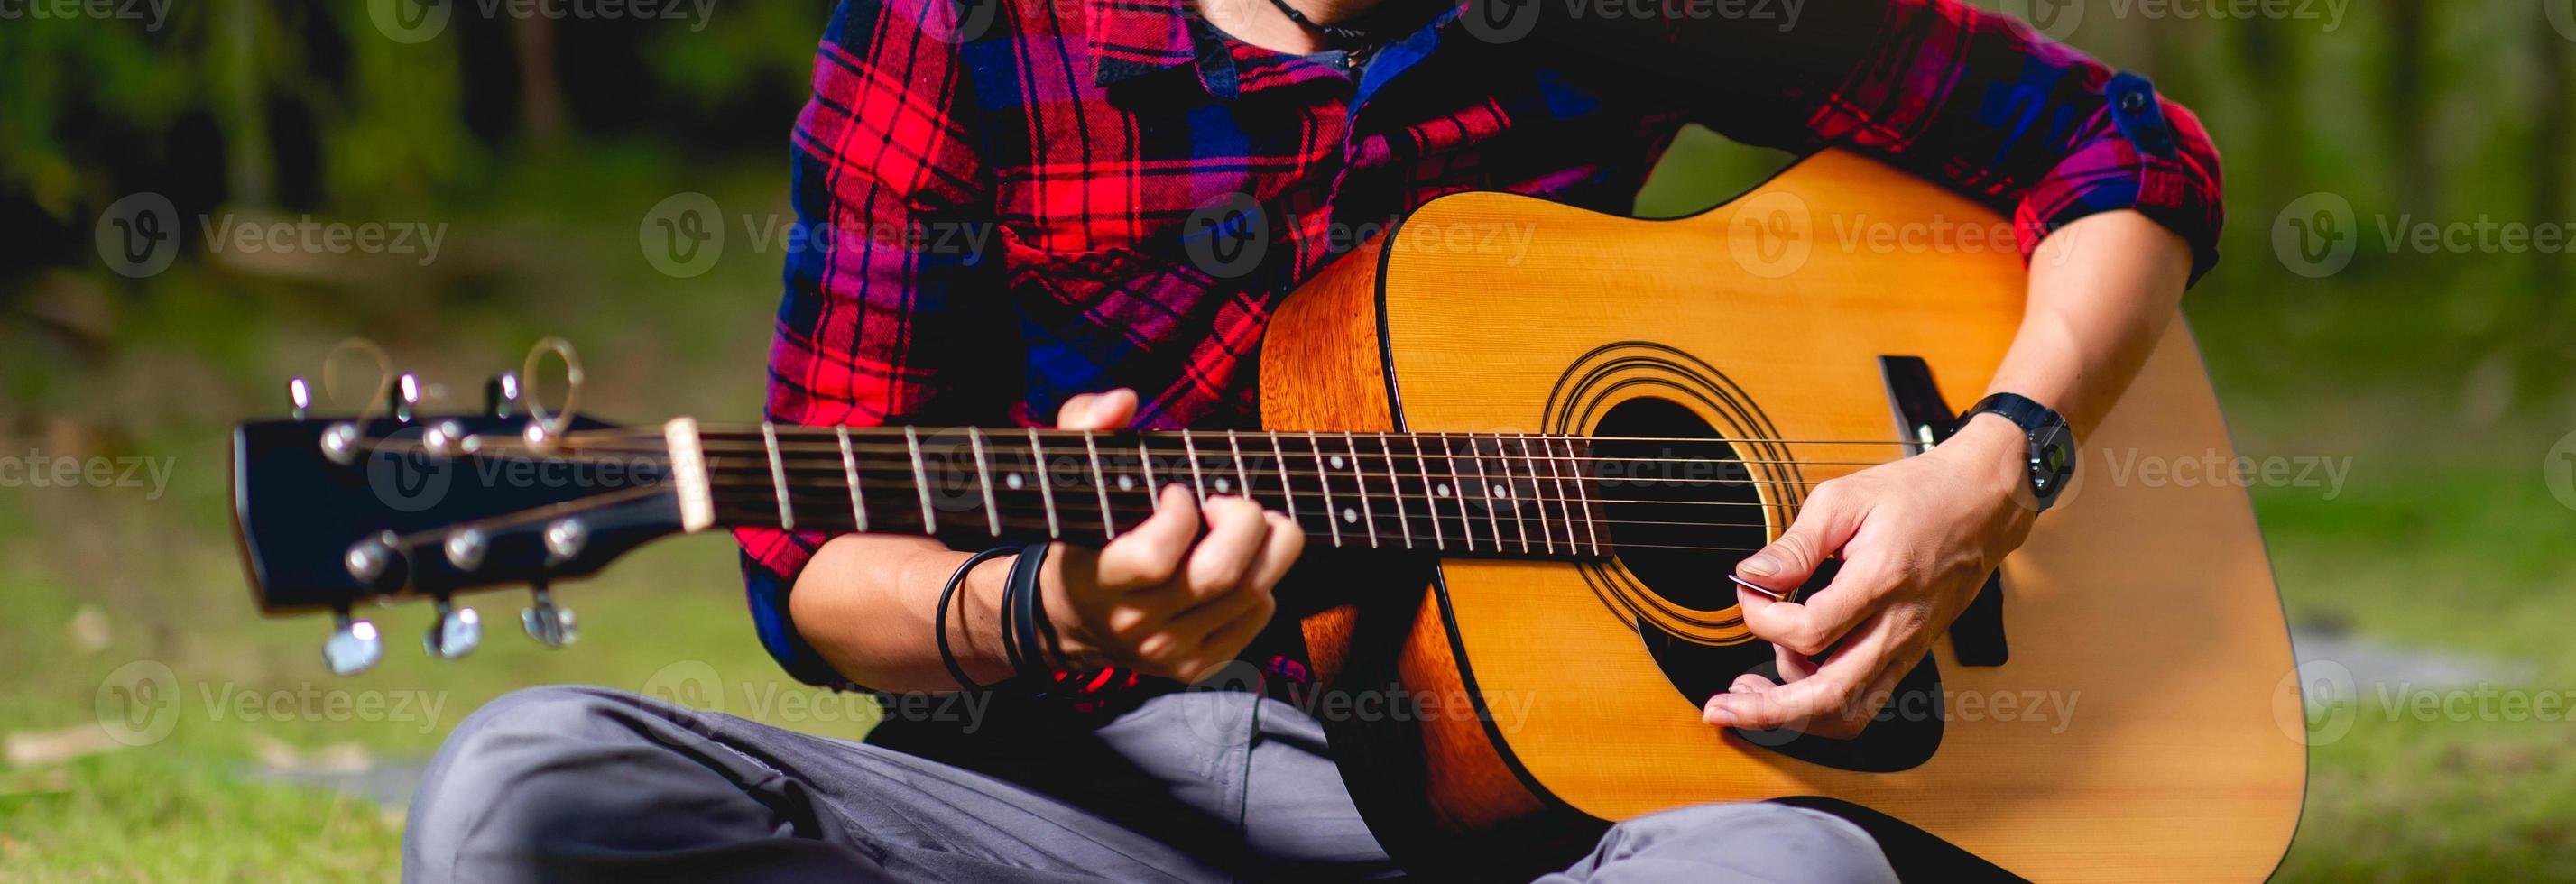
{"x":2052,"y":454}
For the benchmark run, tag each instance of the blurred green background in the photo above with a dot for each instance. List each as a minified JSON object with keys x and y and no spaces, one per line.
{"x":2437,"y":377}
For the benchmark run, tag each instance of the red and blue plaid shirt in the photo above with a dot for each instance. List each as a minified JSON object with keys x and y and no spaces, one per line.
{"x":1001,"y":193}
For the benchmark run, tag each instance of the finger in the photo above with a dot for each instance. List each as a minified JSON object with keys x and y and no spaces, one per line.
{"x":1827,"y":521}
{"x":1828,"y":693}
{"x":1810,"y":626}
{"x":1097,"y":411}
{"x":1793,"y":665}
{"x":1235,"y":531}
{"x":1228,"y":640}
{"x":1279,"y":551}
{"x":1750,"y":681}
{"x":1182,"y":637}
{"x":1857,"y":712}
{"x":1151,"y":555}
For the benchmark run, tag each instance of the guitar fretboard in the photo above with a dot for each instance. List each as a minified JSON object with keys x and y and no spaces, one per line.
{"x":1458,"y":494}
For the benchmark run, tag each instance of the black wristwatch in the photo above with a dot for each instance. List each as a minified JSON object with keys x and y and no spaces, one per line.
{"x":2052,"y":444}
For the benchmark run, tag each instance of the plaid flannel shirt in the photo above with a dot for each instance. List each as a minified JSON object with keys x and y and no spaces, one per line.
{"x":1000,"y":194}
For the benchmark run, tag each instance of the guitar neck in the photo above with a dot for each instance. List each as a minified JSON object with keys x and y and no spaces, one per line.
{"x":1492,"y":495}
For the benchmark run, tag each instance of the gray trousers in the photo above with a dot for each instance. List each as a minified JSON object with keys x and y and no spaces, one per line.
{"x":587,"y":784}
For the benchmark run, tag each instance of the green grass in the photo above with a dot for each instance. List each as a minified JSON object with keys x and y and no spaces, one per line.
{"x":2444,"y":538}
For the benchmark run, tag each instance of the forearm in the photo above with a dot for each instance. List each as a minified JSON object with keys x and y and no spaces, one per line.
{"x":866,"y":603}
{"x":2102,"y":290}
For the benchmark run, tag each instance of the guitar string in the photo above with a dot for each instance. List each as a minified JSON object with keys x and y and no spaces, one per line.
{"x":750,"y":516}
{"x":837,"y":484}
{"x":831,"y":433}
{"x":831,"y":456}
{"x":766,"y":497}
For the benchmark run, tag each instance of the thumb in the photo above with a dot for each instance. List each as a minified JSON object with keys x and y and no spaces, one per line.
{"x":1098,"y":411}
{"x":1824,"y":524}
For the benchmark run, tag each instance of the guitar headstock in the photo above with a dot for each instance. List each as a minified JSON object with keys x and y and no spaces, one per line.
{"x":333,"y":513}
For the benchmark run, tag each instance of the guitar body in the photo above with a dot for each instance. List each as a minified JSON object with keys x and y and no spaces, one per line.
{"x":2146,"y":724}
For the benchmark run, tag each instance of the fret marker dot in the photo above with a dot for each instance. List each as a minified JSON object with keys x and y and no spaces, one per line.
{"x":1126,"y":483}
{"x":1223,"y":487}
{"x":1350,"y":516}
{"x":1012,"y":481}
{"x":1443,"y":488}
{"x":1502,"y":491}
{"x":1337,"y":461}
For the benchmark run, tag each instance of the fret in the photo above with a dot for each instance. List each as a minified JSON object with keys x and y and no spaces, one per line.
{"x":778,"y":476}
{"x":1145,"y":461}
{"x":984,"y":480}
{"x":1046,"y":482}
{"x":1503,"y":459}
{"x":1323,"y":480}
{"x":1430,"y":503}
{"x":850,"y":473}
{"x":1458,"y":486}
{"x":1099,"y":483}
{"x":1368,"y":515}
{"x":1535,"y":498}
{"x":1198,"y":482}
{"x":921,"y":482}
{"x":1559,"y":480}
{"x":1485,"y":488}
{"x":1287,"y":489}
{"x":1235,"y":444}
{"x":1583,"y":497}
{"x":1394,"y":487}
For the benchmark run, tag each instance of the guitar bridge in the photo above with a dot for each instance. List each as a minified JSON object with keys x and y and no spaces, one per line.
{"x":1978,"y":635}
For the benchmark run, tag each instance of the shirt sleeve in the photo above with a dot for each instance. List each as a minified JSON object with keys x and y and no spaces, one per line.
{"x":1972,"y":99}
{"x":885,"y":269}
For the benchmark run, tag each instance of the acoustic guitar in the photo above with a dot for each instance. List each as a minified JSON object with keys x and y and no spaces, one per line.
{"x":1545,"y":462}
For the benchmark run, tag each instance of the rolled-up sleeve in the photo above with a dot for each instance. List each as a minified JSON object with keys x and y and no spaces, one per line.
{"x":1972,"y":99}
{"x":879,"y":319}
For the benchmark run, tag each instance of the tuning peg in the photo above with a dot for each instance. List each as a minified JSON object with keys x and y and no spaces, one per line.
{"x":406,"y":396}
{"x":549,"y":625}
{"x":300,"y":396}
{"x":501,"y":395}
{"x":456,"y":632}
{"x":353,"y":648}
{"x":375,"y":563}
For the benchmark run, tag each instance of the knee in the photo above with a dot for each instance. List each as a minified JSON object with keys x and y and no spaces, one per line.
{"x":530,"y":749}
{"x":1760,"y":840}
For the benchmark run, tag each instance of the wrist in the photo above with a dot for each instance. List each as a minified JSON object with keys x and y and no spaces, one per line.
{"x":1994,"y":450}
{"x":1074,"y":637}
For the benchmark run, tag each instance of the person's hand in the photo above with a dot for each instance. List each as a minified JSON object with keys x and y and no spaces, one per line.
{"x":1162,"y":599}
{"x":1917,"y":538}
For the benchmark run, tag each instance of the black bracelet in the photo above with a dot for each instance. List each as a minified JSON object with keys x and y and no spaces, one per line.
{"x":1020,"y":631}
{"x":939,"y":621}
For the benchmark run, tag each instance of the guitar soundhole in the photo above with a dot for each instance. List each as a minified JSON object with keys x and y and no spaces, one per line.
{"x":1682,"y":507}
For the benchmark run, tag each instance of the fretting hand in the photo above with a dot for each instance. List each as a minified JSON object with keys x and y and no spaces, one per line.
{"x":1182,"y":593}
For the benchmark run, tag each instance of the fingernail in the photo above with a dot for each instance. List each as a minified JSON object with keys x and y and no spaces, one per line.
{"x":1761,"y":564}
{"x":1719,"y":715}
